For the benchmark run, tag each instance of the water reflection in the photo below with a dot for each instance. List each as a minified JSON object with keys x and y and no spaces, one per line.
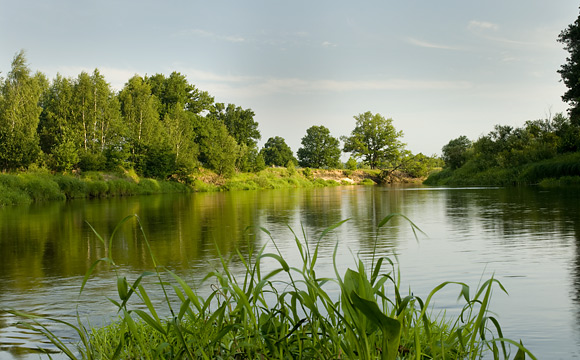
{"x":529,"y":237}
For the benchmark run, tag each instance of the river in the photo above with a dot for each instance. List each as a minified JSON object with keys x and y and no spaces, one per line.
{"x":527,"y":238}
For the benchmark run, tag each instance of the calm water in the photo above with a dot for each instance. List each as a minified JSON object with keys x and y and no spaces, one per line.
{"x":528,"y":238}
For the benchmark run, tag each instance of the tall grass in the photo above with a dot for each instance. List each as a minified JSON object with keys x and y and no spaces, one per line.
{"x":288,"y":312}
{"x":31,"y":187}
{"x":562,"y":166}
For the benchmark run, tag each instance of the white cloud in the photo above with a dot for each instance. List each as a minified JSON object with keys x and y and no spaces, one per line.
{"x":482,"y":25}
{"x":430,"y":45}
{"x":213,"y":36}
{"x":328,"y":44}
{"x":224,"y":86}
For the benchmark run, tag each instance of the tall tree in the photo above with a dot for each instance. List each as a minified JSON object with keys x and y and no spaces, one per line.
{"x":319,"y":149}
{"x":241,"y":125}
{"x":455,"y":152}
{"x":141,"y":116}
{"x":174,"y":90}
{"x":239,"y":122}
{"x":375,"y":139}
{"x":97,"y":113}
{"x":179,"y":125}
{"x":276,"y":152}
{"x":20,"y":95}
{"x":222,"y":149}
{"x":60,"y":139}
{"x":570,"y":71}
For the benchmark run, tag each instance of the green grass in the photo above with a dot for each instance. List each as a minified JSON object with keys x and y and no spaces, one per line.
{"x":562,"y":166}
{"x":287,"y":312}
{"x":26,"y":188}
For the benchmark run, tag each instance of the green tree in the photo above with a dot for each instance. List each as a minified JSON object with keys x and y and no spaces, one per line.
{"x":239,"y":122}
{"x":570,"y":71}
{"x":351,"y":164}
{"x":242,"y":127}
{"x":375,"y":139}
{"x":97,"y":114}
{"x":174,"y":90}
{"x":276,"y":152}
{"x":20,"y":95}
{"x":179,"y":126}
{"x":456,"y":151}
{"x":139,"y":108}
{"x":222,"y":150}
{"x":319,"y":149}
{"x":60,"y":140}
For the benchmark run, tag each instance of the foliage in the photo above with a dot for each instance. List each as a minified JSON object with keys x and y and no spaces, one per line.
{"x":288,"y":312}
{"x":319,"y":149}
{"x":291,"y":168}
{"x":20,"y":95}
{"x":351,"y":163}
{"x":375,"y":139}
{"x":276,"y":152}
{"x":510,"y":155}
{"x":30,"y":187}
{"x":455,"y":152}
{"x":418,"y":166}
{"x":570,"y":71}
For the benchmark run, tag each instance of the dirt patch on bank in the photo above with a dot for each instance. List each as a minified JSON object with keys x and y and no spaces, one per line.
{"x":356,"y":176}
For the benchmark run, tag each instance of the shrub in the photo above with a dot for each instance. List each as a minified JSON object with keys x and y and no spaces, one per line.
{"x":367,"y":182}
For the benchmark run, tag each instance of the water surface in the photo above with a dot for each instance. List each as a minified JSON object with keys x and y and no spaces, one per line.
{"x":526,"y":237}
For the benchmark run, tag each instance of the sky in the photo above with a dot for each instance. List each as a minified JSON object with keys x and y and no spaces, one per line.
{"x":439,"y":69}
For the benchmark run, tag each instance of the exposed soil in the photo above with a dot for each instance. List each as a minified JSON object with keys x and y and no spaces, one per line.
{"x":356,"y":176}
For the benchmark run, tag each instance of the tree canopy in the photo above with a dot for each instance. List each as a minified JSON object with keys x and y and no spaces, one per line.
{"x":159,"y":125}
{"x":570,"y":71}
{"x":375,"y":139}
{"x":276,"y":152}
{"x":455,"y":152}
{"x":319,"y":149}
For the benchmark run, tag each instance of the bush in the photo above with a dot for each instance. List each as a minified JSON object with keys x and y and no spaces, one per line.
{"x":12,"y":196}
{"x":72,"y":187}
{"x":367,"y":182}
{"x":40,"y":188}
{"x":97,"y":189}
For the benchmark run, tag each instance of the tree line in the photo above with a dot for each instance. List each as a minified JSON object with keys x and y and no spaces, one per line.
{"x":507,"y":147}
{"x":162,"y":126}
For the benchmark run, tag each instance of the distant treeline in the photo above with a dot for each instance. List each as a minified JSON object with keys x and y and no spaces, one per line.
{"x":160,"y":126}
{"x":539,"y":150}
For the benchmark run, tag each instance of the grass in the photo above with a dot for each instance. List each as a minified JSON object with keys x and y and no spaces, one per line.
{"x":26,"y":188}
{"x":286,"y":313}
{"x":564,"y":167}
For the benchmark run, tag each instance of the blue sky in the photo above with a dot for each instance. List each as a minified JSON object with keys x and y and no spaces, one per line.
{"x":440,"y":69}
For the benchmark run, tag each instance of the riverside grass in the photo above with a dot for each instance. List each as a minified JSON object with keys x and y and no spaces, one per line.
{"x":286,"y":313}
{"x":26,"y":188}
{"x":549,"y":172}
{"x":39,"y":186}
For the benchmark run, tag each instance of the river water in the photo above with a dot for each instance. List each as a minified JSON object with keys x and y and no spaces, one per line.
{"x":527,"y":238}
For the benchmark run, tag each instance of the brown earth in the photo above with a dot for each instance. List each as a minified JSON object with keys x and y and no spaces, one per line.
{"x":356,"y":176}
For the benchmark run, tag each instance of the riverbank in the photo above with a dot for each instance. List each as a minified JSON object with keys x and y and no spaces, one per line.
{"x":26,"y":188}
{"x":39,"y":186}
{"x":562,"y":170}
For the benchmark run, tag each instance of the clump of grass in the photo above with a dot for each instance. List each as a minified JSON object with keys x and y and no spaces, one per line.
{"x":12,"y":196}
{"x":367,"y":182}
{"x":564,"y":181}
{"x":288,"y":312}
{"x":72,"y":187}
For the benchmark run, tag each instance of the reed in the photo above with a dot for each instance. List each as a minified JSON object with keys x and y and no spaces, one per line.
{"x":287,"y":312}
